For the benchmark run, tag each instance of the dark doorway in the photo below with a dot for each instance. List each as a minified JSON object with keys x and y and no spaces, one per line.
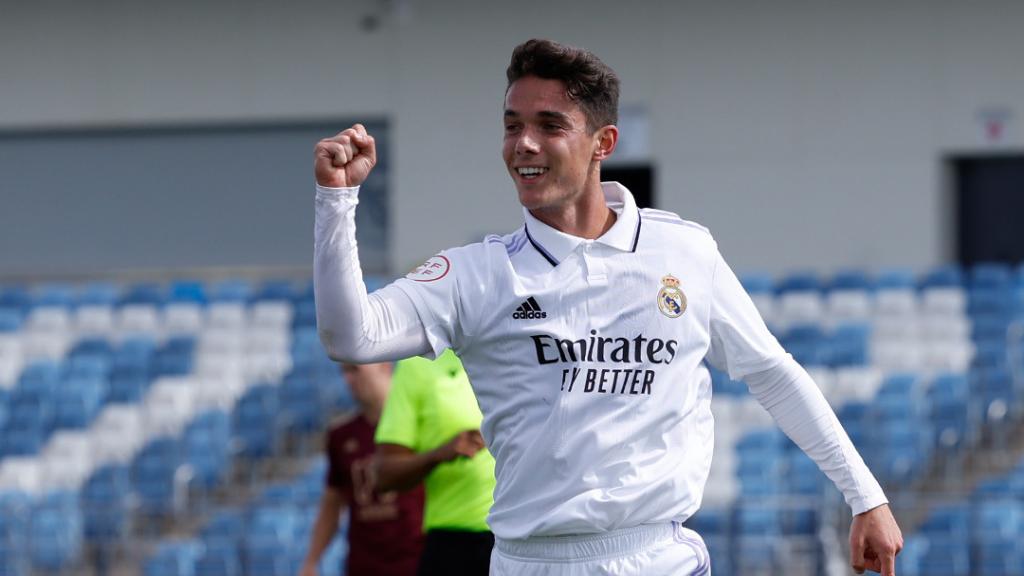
{"x":639,"y":179}
{"x":989,"y":197}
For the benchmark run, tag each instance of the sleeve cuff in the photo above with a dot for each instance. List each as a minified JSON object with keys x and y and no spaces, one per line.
{"x":862,"y":505}
{"x":336,"y":193}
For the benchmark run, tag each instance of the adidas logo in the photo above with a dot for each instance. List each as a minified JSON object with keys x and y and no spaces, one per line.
{"x":529,"y":310}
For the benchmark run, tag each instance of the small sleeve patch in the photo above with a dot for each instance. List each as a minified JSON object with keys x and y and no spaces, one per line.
{"x":435,"y":268}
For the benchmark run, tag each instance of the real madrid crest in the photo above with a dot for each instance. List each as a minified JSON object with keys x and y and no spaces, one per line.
{"x":671,"y":300}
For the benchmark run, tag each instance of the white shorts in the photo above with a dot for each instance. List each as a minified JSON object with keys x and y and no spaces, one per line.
{"x":652,"y":550}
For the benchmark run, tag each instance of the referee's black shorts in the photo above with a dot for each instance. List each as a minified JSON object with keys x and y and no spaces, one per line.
{"x":456,"y":553}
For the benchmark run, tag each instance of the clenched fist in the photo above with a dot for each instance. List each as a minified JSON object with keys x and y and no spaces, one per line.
{"x":344,"y":160}
{"x":464,"y":444}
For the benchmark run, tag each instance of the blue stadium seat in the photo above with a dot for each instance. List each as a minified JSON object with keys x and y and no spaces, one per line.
{"x":231,"y":291}
{"x":722,"y":384}
{"x":17,"y":298}
{"x":302,"y":406}
{"x":174,"y":558}
{"x":948,"y":276}
{"x":143,"y":293}
{"x":98,"y":294}
{"x":804,"y":281}
{"x":90,"y":365}
{"x":153,"y":476}
{"x":55,"y":533}
{"x":255,"y":421}
{"x":54,"y":295}
{"x":849,"y":345}
{"x":807,"y":344}
{"x":758,"y":283}
{"x":305,"y":315}
{"x":949,"y":411}
{"x":126,"y":387}
{"x":78,"y":401}
{"x":105,"y":504}
{"x":275,"y":290}
{"x":991,"y":275}
{"x":802,"y":475}
{"x":272,"y":542}
{"x":11,"y":319}
{"x":222,"y":539}
{"x":851,"y":280}
{"x":191,"y":291}
{"x":15,"y":514}
{"x":206,"y":448}
{"x":895,"y":278}
{"x":92,"y":346}
{"x":992,"y":301}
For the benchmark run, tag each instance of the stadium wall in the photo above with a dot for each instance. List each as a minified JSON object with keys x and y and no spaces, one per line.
{"x":803,"y":134}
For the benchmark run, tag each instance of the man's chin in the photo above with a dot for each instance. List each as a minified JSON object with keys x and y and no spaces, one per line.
{"x":532,"y":199}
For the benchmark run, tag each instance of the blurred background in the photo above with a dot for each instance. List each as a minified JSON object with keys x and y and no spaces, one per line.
{"x":162,"y":389}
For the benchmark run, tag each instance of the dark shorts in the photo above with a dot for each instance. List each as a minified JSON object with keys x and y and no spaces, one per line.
{"x":456,"y":553}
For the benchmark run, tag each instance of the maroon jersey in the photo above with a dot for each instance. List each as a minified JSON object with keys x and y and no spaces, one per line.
{"x":385,"y":534}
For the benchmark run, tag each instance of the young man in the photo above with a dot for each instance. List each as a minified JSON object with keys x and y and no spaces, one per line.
{"x":429,"y":433}
{"x":584,"y":334}
{"x":385,"y":529}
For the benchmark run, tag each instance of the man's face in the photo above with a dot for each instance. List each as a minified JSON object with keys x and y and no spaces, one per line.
{"x":368,"y":382}
{"x":548,"y":149}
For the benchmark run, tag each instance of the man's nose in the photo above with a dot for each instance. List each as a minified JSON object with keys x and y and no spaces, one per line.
{"x":526,"y":143}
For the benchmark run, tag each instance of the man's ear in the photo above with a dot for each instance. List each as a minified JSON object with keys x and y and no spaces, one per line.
{"x":607,"y":138}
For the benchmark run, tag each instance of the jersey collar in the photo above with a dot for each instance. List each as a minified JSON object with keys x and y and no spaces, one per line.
{"x":555,"y":245}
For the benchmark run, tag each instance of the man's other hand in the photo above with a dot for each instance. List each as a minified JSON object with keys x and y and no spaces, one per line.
{"x":875,"y":540}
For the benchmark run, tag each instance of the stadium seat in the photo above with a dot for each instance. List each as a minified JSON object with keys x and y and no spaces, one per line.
{"x":183,"y":318}
{"x":222,"y":539}
{"x":97,"y":294}
{"x":174,"y":558}
{"x":117,"y":433}
{"x":154,"y":476}
{"x":255,"y":421}
{"x":206,"y":448}
{"x":105,"y":504}
{"x":55,"y":532}
{"x":187,"y":291}
{"x":15,"y":514}
{"x":231,"y":291}
{"x":66,"y":460}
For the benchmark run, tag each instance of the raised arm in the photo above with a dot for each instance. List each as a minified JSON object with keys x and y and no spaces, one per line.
{"x":354,"y":326}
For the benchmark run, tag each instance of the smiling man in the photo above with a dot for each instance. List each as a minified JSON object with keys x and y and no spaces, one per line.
{"x":585,"y":334}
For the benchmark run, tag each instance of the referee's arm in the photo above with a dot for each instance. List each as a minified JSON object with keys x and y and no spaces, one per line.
{"x":400,"y":468}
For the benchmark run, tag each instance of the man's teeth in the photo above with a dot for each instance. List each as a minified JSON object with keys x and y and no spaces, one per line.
{"x":531,"y":171}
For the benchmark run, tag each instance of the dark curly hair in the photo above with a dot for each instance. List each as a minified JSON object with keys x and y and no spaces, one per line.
{"x":588,"y":81}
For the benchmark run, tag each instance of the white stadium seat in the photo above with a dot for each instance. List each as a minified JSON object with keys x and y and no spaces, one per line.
{"x":229,"y":315}
{"x":117,"y":433}
{"x":138,"y":320}
{"x":183,"y":318}
{"x":66,"y":461}
{"x":20,"y":473}
{"x":271,"y":314}
{"x":94,"y":320}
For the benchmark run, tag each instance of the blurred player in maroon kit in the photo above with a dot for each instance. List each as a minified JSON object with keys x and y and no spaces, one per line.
{"x":385,"y":533}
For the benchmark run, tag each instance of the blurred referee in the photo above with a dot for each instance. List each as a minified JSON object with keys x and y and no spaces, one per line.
{"x":585,"y":334}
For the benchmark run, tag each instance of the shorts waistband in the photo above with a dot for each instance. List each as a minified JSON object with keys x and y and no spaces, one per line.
{"x":586,"y":546}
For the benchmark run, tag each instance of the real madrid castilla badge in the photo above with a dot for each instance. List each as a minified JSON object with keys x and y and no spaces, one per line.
{"x":671,"y":300}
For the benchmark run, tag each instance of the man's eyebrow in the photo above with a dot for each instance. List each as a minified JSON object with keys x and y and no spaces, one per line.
{"x":546,"y":114}
{"x":552,"y":115}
